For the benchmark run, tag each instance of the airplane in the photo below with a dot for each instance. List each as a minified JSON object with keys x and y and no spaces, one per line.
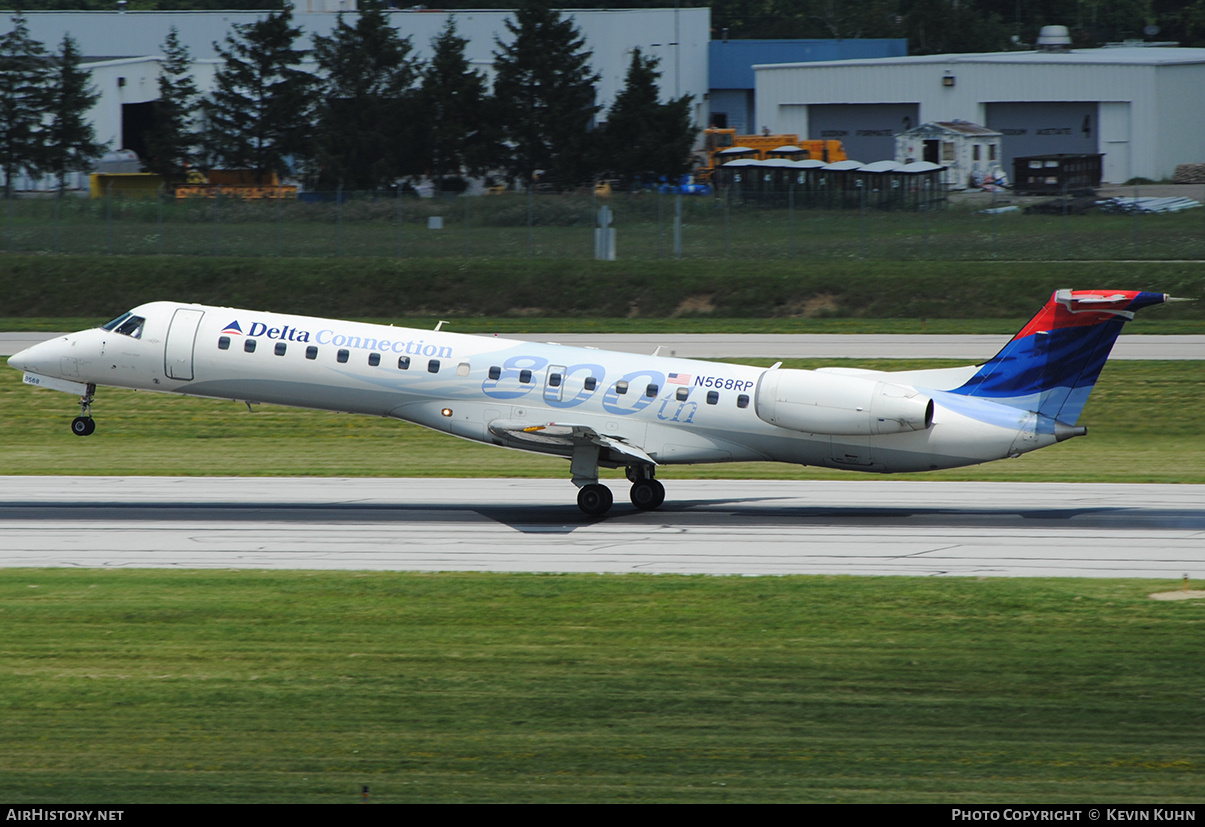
{"x":603,"y":409}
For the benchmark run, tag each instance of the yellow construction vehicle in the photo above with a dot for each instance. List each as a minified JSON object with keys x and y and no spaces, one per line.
{"x":723,"y":145}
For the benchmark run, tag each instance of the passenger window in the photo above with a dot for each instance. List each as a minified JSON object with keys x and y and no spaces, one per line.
{"x":342,"y":356}
{"x":742,"y":401}
{"x":223,"y":343}
{"x":403,"y":363}
{"x":554,"y":380}
{"x":374,"y":359}
{"x":525,"y":377}
{"x":311,"y":352}
{"x":462,"y":369}
{"x":281,"y":347}
{"x":713,"y":397}
{"x":621,"y":387}
{"x":681,"y":394}
{"x":249,"y":346}
{"x":433,"y":366}
{"x":591,"y":383}
{"x":495,"y":373}
{"x":652,"y":390}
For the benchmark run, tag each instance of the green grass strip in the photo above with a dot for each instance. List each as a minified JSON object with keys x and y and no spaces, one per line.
{"x":1145,"y":423}
{"x":217,"y":686}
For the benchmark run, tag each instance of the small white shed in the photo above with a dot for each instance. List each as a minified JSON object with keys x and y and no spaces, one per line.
{"x":970,"y":153}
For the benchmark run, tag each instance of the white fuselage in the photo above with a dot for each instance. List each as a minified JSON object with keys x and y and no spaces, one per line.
{"x":489,"y":389}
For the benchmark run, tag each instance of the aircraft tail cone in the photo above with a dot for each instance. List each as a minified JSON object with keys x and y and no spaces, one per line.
{"x":1063,"y":431}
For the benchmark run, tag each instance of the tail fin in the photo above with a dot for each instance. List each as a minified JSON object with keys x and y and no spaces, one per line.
{"x":1051,"y":365}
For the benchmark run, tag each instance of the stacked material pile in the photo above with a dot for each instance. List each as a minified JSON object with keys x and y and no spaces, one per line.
{"x":1189,"y":174}
{"x":1130,"y":206}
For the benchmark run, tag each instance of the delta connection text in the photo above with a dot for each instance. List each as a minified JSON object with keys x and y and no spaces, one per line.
{"x":330,"y":337}
{"x":1091,"y":815}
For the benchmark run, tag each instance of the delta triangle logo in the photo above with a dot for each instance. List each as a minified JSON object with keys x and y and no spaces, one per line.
{"x":233,"y":328}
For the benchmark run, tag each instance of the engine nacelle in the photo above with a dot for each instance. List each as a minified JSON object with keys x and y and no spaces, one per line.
{"x":826,"y":403}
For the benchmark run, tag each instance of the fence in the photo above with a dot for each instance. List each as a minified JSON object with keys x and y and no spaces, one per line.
{"x":772,"y":225}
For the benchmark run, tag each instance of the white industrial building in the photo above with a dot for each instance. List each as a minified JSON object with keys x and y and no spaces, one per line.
{"x":1143,"y":108}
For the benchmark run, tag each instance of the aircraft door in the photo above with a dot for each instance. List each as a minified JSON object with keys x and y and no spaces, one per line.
{"x":181,"y":338}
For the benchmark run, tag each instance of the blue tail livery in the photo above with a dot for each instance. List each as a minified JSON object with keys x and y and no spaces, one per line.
{"x":1051,"y":365}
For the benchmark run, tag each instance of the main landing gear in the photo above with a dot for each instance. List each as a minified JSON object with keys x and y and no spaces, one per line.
{"x":84,"y":425}
{"x":596,"y":499}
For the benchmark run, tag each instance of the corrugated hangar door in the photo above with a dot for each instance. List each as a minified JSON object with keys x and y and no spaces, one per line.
{"x":867,"y":130}
{"x":1070,"y":127}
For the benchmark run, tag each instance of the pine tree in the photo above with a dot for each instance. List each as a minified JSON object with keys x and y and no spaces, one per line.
{"x":368,"y":124}
{"x":171,"y":141}
{"x":642,"y":136}
{"x":23,"y":79}
{"x":544,"y":91}
{"x":69,"y":140}
{"x":455,"y":111}
{"x":260,"y":111}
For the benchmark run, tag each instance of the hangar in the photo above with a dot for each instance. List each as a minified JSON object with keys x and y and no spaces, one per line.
{"x":1141,"y":107}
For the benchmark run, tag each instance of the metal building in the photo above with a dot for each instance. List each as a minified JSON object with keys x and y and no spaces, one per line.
{"x":733,"y":80}
{"x":1142,"y":108}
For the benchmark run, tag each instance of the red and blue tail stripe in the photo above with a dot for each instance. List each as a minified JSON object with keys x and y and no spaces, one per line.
{"x":1051,"y":365}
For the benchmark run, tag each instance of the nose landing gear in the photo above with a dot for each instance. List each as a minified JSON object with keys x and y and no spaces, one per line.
{"x":84,"y":425}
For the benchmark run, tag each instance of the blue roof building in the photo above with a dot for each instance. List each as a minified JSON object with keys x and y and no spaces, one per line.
{"x":733,"y":81}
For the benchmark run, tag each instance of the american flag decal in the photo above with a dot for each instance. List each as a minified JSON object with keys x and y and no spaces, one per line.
{"x":678,"y":379}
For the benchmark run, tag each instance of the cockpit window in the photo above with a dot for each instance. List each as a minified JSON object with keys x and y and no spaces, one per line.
{"x":113,"y":324}
{"x":127,"y":324}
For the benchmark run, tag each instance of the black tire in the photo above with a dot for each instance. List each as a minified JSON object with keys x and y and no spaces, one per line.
{"x":647,"y":494}
{"x":595,"y":499}
{"x":82,"y":425}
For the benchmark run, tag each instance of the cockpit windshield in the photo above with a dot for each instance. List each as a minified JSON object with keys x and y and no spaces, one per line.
{"x":126,"y":324}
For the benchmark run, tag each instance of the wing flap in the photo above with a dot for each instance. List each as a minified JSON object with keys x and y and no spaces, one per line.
{"x":563,"y":437}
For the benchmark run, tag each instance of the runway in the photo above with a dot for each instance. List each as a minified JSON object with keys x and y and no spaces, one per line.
{"x":877,"y":527}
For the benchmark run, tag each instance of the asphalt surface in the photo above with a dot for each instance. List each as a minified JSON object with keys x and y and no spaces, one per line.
{"x":798,"y":346}
{"x":874,"y":527}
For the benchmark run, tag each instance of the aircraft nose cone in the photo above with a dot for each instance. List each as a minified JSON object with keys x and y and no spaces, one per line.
{"x":18,"y":359}
{"x":42,"y":358}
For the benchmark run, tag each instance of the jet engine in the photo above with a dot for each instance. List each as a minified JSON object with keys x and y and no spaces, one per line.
{"x":827,"y":403}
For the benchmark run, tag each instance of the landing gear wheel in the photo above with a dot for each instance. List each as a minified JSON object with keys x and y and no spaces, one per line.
{"x":594,"y":499}
{"x":83,"y":425}
{"x":647,"y":494}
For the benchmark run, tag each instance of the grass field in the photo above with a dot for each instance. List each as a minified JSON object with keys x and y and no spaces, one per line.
{"x":1144,"y":418}
{"x":745,"y":295}
{"x":176,"y":686}
{"x":562,"y":227}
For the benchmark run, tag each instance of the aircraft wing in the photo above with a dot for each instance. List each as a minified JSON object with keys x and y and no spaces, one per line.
{"x":563,"y":437}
